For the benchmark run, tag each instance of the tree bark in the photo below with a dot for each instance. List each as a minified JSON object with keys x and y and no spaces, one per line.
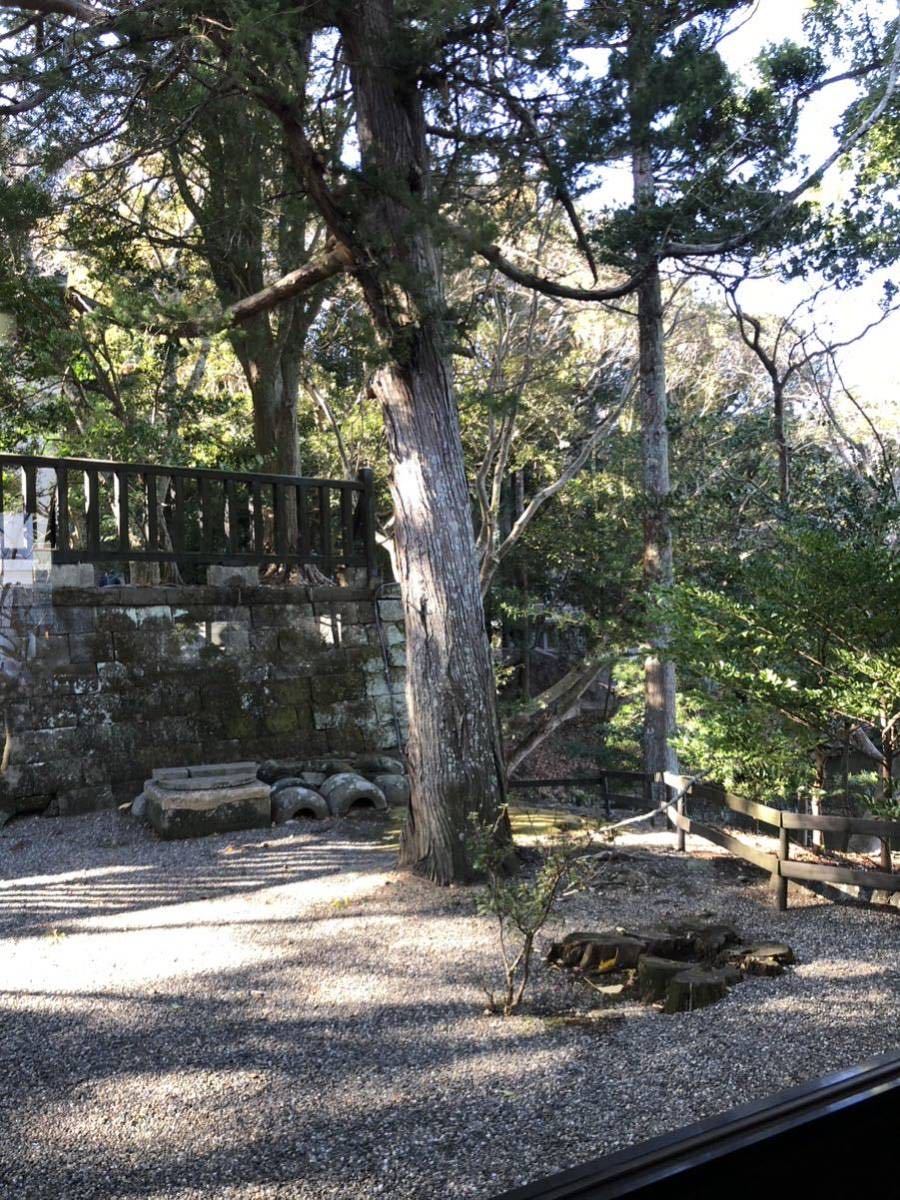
{"x":455,"y":759}
{"x":659,"y":671}
{"x":274,"y":389}
{"x":784,"y":466}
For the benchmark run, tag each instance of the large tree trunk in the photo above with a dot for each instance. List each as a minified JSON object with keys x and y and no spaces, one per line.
{"x":455,"y":760}
{"x":273,"y":387}
{"x":659,"y":671}
{"x":274,"y":380}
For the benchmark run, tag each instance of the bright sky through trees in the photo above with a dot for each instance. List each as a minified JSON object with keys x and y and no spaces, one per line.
{"x":870,"y":367}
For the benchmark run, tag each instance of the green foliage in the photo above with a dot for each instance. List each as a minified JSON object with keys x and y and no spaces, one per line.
{"x":520,"y":904}
{"x":804,"y":640}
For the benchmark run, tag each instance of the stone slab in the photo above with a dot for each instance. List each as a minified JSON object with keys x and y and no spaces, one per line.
{"x":232,"y":768}
{"x":183,"y":814}
{"x":219,"y":576}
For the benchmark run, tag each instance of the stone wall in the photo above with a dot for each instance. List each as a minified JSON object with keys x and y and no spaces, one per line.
{"x":121,"y":680}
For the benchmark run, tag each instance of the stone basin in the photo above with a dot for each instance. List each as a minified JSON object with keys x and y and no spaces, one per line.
{"x":185,"y":807}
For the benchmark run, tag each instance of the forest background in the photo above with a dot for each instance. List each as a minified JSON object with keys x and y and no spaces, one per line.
{"x":633,"y":264}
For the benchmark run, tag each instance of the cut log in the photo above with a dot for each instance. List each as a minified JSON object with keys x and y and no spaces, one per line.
{"x":654,"y":975}
{"x":588,"y":951}
{"x":763,"y":958}
{"x":664,"y":943}
{"x":780,"y":951}
{"x":708,"y":939}
{"x":699,"y":986}
{"x":767,"y":967}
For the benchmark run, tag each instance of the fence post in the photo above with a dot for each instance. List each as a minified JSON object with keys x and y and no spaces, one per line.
{"x":886,"y":861}
{"x":679,"y":808}
{"x":779,"y":881}
{"x":367,"y":479}
{"x":680,"y":835}
{"x":647,"y":797}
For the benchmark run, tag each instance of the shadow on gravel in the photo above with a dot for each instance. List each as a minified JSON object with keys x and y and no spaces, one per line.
{"x":184,"y":1095}
{"x":231,"y":1096}
{"x":350,"y":1061}
{"x":32,"y":904}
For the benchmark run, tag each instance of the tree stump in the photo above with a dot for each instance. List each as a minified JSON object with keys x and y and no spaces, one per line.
{"x":654,"y":975}
{"x":699,"y":986}
{"x":665,"y":943}
{"x":708,"y":939}
{"x":588,"y":951}
{"x":766,"y":958}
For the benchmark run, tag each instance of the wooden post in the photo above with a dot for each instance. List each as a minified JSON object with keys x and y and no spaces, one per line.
{"x":679,"y":808}
{"x":325,"y":544}
{"x":120,"y":487}
{"x":62,"y":499}
{"x":347,"y":546}
{"x":779,"y":881}
{"x":887,"y":791}
{"x":92,"y":503}
{"x":30,"y":513}
{"x":232,"y":509}
{"x":367,"y":479}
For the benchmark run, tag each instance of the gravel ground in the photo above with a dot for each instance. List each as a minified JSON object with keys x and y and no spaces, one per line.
{"x":279,"y":1015}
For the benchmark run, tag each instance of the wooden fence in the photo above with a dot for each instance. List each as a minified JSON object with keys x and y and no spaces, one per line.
{"x":779,"y":865}
{"x":87,"y":510}
{"x":604,"y":782}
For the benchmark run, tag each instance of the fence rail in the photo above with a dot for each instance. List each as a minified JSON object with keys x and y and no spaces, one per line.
{"x":682,"y":788}
{"x":779,"y":865}
{"x":88,"y":510}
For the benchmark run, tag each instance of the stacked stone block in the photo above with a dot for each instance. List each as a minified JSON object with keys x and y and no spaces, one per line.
{"x":124,"y":680}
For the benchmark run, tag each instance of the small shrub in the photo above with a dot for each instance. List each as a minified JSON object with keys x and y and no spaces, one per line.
{"x":521,"y":906}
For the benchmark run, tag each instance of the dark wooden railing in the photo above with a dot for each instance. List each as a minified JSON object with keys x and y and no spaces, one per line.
{"x":824,"y":1138}
{"x":681,"y":789}
{"x":86,"y":510}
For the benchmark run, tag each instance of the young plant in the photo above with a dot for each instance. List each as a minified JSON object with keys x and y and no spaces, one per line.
{"x":521,"y":906}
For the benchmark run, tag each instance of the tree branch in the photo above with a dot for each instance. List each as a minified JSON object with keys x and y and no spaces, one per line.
{"x":62,"y":8}
{"x":548,"y":287}
{"x":285,"y":288}
{"x":723,"y":245}
{"x":552,"y":708}
{"x":493,"y":558}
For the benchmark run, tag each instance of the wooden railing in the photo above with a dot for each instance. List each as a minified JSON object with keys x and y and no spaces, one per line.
{"x":796,"y":1142}
{"x":605,"y":781}
{"x":86,"y":510}
{"x":779,"y":864}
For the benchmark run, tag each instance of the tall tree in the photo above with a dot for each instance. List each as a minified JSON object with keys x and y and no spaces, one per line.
{"x":708,"y":158}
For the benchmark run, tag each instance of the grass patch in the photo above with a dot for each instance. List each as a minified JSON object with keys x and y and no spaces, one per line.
{"x":530,"y":825}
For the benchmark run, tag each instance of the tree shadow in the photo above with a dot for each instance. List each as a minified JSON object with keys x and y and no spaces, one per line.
{"x":84,"y":883}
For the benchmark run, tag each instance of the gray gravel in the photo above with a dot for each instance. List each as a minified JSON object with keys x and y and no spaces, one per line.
{"x":277,"y":1014}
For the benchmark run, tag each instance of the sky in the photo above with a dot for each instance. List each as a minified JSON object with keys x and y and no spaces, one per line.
{"x":872,"y":367}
